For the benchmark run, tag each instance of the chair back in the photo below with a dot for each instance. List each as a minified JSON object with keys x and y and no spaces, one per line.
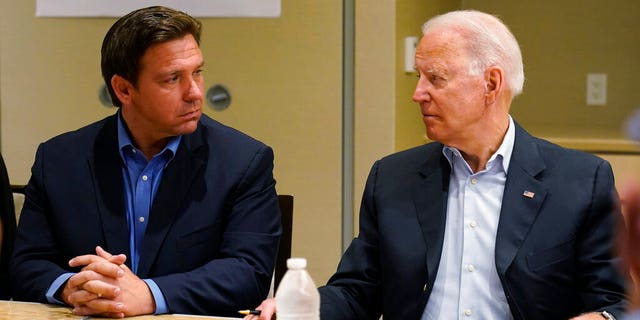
{"x":18,"y":199}
{"x":284,"y":250}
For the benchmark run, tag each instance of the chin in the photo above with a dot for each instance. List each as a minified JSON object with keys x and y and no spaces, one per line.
{"x":188,"y":127}
{"x":435,"y":136}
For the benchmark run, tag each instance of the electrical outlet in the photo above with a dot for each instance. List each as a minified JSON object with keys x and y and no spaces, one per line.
{"x":596,"y":89}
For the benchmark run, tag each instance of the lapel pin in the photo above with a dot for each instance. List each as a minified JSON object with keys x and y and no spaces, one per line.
{"x":528,"y":194}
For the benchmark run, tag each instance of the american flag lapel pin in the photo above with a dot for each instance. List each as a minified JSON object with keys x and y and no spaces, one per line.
{"x":528,"y":194}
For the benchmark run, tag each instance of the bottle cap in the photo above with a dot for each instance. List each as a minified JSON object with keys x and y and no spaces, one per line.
{"x":296,"y":263}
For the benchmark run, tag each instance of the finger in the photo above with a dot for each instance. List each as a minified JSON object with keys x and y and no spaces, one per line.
{"x":102,"y":289}
{"x":99,"y":306}
{"x":85,"y":260}
{"x":103,"y":253}
{"x":267,"y":313}
{"x":107,"y":269}
{"x":268,"y":309}
{"x":86,"y":311}
{"x":126,"y":269}
{"x":117,"y":259}
{"x":78,"y":279}
{"x":80,"y":297}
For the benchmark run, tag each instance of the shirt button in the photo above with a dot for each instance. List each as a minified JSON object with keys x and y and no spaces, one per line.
{"x":426,"y":286}
{"x":467,"y":312}
{"x":141,"y":219}
{"x":474,"y":181}
{"x":145,"y":178}
{"x":470,"y":267}
{"x":473,"y":224}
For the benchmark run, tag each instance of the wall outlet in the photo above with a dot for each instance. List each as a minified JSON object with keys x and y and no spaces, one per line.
{"x":596,"y":89}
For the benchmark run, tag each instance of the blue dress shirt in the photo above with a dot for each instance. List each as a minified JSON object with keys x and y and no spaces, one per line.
{"x":141,"y":181}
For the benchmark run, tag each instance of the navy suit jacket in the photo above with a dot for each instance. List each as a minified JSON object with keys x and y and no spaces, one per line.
{"x":553,"y":251}
{"x":213,"y":230}
{"x":8,"y":219}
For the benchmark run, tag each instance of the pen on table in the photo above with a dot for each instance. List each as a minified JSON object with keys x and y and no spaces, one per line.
{"x":248,"y":312}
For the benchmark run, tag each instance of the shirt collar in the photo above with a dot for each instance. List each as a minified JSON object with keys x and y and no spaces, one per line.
{"x":124,"y":141}
{"x":504,"y":151}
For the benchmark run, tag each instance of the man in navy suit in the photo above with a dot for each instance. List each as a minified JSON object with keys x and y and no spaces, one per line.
{"x":487,"y":222}
{"x":157,"y":208}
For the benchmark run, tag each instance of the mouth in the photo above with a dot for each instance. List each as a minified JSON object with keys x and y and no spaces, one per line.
{"x":191,"y":114}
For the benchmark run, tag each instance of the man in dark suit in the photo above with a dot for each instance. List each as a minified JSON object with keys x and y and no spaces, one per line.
{"x":487,"y":222}
{"x":157,"y":208}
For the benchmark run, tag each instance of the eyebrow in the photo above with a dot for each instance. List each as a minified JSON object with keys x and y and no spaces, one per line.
{"x":437,"y":71}
{"x":177,"y":71}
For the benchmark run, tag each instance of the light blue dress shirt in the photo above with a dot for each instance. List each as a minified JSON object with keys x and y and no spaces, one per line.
{"x":467,"y":285}
{"x":632,"y":315}
{"x":141,"y":180}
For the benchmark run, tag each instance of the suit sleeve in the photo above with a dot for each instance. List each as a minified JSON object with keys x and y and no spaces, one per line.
{"x":239,"y":278}
{"x":600,"y":280}
{"x":353,"y":292}
{"x":8,"y":219}
{"x":37,"y":261}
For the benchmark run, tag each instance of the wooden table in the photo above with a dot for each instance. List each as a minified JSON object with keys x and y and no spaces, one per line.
{"x":16,"y":310}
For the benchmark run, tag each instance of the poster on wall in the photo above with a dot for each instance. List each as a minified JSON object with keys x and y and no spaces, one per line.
{"x":196,"y":8}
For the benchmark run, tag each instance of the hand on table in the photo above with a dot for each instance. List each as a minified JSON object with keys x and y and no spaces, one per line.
{"x":589,"y":316}
{"x":106,"y":287}
{"x":267,"y":308}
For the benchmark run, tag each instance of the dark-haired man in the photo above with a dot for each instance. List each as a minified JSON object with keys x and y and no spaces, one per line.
{"x":157,"y":208}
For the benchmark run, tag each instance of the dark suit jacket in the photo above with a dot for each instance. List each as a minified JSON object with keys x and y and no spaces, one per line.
{"x":8,"y":218}
{"x":213,"y":230}
{"x":553,"y":251}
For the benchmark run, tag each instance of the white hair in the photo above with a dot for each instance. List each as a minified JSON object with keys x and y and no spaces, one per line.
{"x":488,"y":41}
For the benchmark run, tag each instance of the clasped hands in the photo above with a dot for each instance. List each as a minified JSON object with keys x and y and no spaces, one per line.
{"x":106,"y":287}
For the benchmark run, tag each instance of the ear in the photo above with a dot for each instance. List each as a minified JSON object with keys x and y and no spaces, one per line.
{"x":122,"y":88}
{"x":494,"y":82}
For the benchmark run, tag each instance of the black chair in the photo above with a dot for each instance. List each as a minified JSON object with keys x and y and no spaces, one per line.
{"x":18,"y":191}
{"x":8,"y":219}
{"x":284,"y":250}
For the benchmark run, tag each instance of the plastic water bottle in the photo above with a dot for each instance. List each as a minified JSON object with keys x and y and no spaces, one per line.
{"x":297,"y":297}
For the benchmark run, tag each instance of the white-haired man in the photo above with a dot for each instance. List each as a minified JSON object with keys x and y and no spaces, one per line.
{"x":487,"y":222}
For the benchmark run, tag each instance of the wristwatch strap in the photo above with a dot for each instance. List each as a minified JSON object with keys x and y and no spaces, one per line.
{"x":607,"y":315}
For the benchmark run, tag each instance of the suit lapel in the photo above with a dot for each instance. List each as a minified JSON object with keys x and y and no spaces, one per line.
{"x":106,"y":168}
{"x":430,"y":198}
{"x":168,"y":204}
{"x":523,"y":196}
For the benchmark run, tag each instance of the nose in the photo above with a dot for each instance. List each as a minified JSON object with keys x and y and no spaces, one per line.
{"x":421,"y":93}
{"x":194,"y":90}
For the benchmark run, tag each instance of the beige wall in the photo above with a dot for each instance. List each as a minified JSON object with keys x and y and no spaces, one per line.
{"x":561,"y":42}
{"x":626,"y":168}
{"x":374,"y":95}
{"x":284,"y":75}
{"x":410,"y":15}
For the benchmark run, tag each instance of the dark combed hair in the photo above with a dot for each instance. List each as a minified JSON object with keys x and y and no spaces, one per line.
{"x":128,"y":39}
